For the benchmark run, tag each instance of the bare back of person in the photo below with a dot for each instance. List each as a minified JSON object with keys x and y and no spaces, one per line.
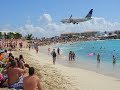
{"x":31,"y":83}
{"x":13,"y":75}
{"x":20,"y":64}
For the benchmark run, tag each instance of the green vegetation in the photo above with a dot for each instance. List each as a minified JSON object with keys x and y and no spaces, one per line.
{"x":29,"y":37}
{"x":11,"y":35}
{"x":1,"y":35}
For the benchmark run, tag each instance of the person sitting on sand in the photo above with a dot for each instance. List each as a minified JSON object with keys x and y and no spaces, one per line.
{"x":31,"y":82}
{"x":10,"y":59}
{"x":6,"y":56}
{"x":10,"y":54}
{"x":14,"y":76}
{"x":21,"y":62}
{"x":21,"y":58}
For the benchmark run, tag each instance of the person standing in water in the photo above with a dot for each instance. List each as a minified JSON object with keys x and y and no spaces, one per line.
{"x":98,"y":61}
{"x":58,"y":51}
{"x":114,"y":60}
{"x":98,"y":58}
{"x":70,"y":56}
{"x":73,"y":56}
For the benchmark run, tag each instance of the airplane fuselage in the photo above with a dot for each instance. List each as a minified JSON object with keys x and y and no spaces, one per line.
{"x":75,"y":21}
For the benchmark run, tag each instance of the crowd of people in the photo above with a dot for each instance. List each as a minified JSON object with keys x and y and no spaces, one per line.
{"x":11,"y":44}
{"x":33,"y":45}
{"x":13,"y":72}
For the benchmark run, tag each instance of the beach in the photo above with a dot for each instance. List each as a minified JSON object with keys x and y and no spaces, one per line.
{"x":59,"y":77}
{"x":60,"y":45}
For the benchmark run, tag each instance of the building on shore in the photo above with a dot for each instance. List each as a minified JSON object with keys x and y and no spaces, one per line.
{"x":80,"y":35}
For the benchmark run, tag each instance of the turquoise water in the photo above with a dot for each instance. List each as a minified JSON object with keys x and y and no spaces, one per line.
{"x":106,"y":48}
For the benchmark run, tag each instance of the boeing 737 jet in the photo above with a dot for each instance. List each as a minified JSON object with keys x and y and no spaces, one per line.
{"x":76,"y":21}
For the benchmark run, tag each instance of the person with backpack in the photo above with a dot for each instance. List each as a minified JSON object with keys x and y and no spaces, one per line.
{"x":54,"y":56}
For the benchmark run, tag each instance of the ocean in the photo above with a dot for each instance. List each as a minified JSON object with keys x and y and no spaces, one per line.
{"x":86,"y":56}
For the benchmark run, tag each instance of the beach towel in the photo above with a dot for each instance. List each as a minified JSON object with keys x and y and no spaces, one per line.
{"x":18,"y":85}
{"x":5,"y":55}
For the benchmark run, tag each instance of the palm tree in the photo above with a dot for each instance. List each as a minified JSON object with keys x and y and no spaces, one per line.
{"x":17,"y":35}
{"x":29,"y":37}
{"x":5,"y":35}
{"x":10,"y":35}
{"x":1,"y":35}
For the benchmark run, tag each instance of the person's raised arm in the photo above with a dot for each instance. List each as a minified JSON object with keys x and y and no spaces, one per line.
{"x":22,"y":71}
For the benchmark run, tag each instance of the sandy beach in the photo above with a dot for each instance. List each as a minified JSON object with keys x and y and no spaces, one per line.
{"x":59,"y":77}
{"x":60,"y":45}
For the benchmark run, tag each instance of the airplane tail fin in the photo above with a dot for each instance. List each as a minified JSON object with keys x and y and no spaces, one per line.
{"x":70,"y":16}
{"x":89,"y":14}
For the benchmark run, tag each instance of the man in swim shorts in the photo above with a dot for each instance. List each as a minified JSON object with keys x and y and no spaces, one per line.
{"x":14,"y":74}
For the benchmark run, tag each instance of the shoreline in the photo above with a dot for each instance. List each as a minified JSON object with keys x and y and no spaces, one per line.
{"x":105,"y":68}
{"x":60,"y":77}
{"x":91,"y":66}
{"x":72,"y":73}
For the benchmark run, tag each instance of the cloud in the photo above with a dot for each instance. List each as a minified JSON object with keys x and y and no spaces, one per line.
{"x":45,"y":19}
{"x":46,"y":27}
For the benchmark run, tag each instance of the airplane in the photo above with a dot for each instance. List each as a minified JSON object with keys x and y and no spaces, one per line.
{"x":76,"y":21}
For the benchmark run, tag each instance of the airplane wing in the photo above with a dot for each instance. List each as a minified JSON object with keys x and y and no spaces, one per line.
{"x":79,"y":20}
{"x":65,"y":21}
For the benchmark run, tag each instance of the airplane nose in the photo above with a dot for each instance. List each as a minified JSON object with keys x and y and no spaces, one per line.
{"x":62,"y":21}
